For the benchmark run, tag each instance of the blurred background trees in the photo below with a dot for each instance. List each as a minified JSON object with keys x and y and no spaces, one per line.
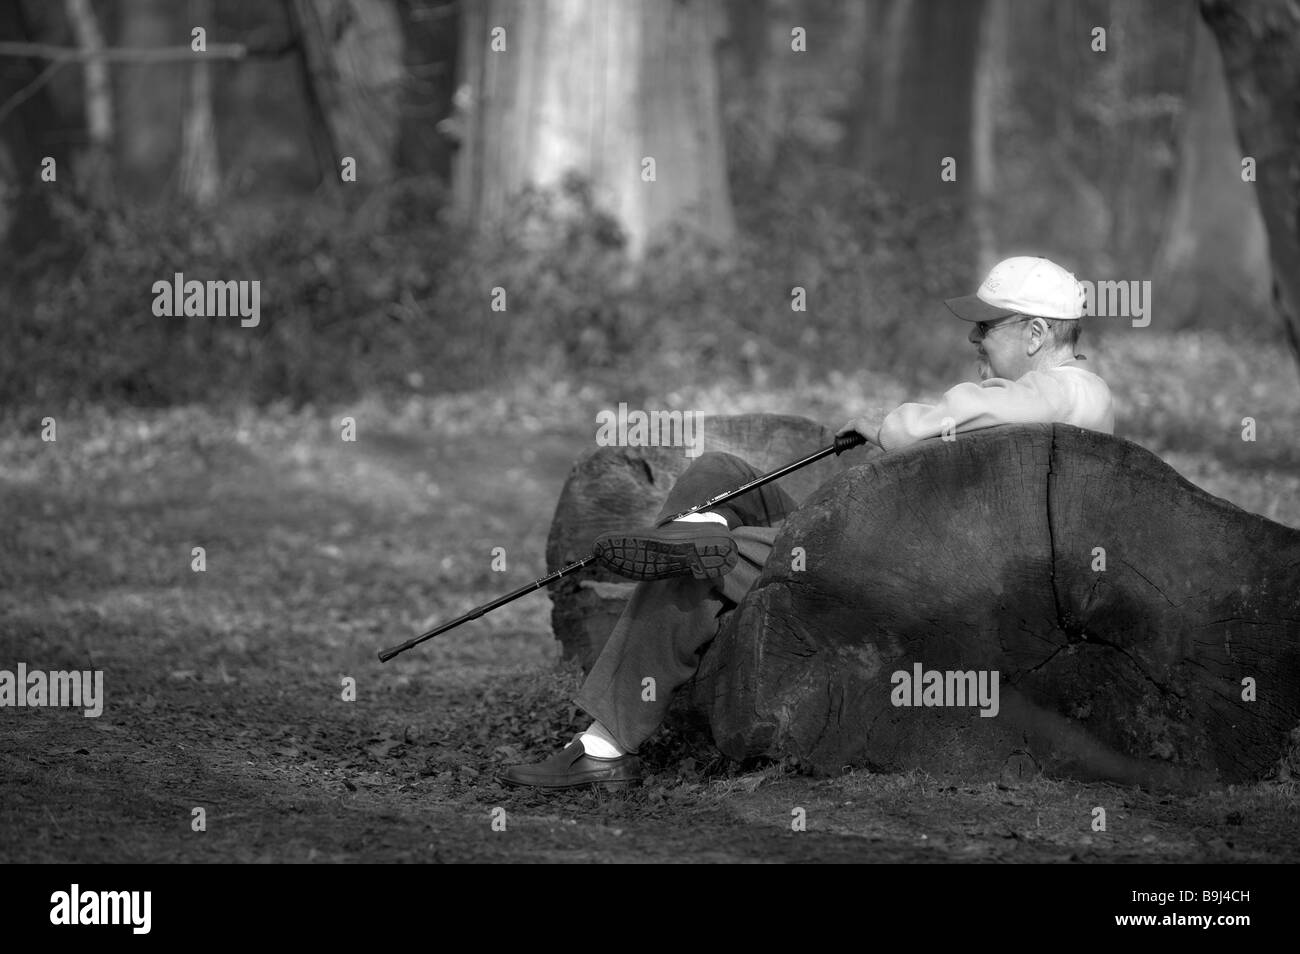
{"x":648,"y":180}
{"x":623,"y":94}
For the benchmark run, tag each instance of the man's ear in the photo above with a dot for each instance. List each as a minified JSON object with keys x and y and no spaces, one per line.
{"x":1038,"y":332}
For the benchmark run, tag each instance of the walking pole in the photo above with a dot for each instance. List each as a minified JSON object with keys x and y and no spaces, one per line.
{"x":841,"y":444}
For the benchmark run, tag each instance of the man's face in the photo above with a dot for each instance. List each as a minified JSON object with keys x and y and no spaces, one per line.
{"x":1000,"y":346}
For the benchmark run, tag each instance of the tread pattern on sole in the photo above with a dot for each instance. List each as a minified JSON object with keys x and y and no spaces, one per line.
{"x":644,"y":558}
{"x":612,"y":784}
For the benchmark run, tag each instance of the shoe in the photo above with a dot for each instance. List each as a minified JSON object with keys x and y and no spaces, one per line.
{"x":572,"y":767}
{"x":706,"y":551}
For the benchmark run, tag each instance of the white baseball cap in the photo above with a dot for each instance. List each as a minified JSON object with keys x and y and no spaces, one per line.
{"x":1025,"y":285}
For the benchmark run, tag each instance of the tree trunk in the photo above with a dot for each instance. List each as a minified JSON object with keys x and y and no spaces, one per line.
{"x":318,"y":89}
{"x":752,"y":68}
{"x":352,"y":56}
{"x":611,"y":487}
{"x":987,"y":96}
{"x":981,"y":555}
{"x":877,"y":97}
{"x":924,"y":114}
{"x":29,"y":131}
{"x":1260,"y":44}
{"x":96,"y":174}
{"x":200,"y":168}
{"x":1214,"y":259}
{"x":595,"y":87}
{"x":430,"y":131}
{"x":150,"y":108}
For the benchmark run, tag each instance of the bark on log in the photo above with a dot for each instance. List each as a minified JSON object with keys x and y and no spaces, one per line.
{"x":979,"y":554}
{"x":613,"y":487}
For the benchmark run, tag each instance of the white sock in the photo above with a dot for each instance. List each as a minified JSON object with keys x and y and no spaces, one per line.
{"x":597,"y":741}
{"x":703,"y":516}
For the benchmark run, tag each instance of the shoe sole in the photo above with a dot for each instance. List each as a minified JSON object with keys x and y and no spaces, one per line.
{"x":610,"y":784}
{"x":646,"y":557}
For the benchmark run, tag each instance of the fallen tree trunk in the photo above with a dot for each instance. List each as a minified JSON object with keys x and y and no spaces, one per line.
{"x":1139,"y":629}
{"x":611,"y":487}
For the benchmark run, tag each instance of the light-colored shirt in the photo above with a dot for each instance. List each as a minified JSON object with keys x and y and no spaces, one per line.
{"x":1068,"y":393}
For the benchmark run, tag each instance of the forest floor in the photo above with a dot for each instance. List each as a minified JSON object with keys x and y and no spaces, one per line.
{"x":224,"y":689}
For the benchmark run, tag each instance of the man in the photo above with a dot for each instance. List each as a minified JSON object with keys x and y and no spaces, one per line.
{"x":1025,"y":325}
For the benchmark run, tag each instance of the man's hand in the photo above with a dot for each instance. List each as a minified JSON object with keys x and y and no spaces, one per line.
{"x":862,"y":426}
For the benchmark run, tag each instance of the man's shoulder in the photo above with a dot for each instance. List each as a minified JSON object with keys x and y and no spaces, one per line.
{"x":1039,"y":376}
{"x":1079,"y":363}
{"x":1074,"y":368}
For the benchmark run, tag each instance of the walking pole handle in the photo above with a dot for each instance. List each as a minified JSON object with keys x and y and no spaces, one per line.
{"x":846,"y":441}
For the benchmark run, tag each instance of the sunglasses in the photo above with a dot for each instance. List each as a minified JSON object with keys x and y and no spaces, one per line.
{"x":984,"y":327}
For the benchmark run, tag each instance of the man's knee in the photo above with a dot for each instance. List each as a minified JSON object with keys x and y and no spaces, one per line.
{"x":721,"y":462}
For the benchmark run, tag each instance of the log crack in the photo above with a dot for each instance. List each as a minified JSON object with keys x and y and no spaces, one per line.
{"x":1061,"y":622}
{"x":1168,"y":690}
{"x":1149,"y":583}
{"x":1076,"y":631}
{"x":1052,"y":655}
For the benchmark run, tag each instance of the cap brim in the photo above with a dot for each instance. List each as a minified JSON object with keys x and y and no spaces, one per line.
{"x":974,"y":308}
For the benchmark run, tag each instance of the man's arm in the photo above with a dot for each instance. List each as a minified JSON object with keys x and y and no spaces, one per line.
{"x":1037,"y":398}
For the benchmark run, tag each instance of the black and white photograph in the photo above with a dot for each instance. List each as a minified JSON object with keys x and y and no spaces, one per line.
{"x":651,"y":431}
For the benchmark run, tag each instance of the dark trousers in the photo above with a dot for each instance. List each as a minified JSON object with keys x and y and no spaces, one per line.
{"x":668,"y":623}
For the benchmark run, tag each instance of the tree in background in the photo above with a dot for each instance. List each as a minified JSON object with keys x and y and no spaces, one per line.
{"x":1084,"y":130}
{"x":622,"y":92}
{"x":150,"y":98}
{"x":353,"y":51}
{"x":916,"y":102}
{"x":1260,"y":43}
{"x":30,"y":130}
{"x":199,"y":166}
{"x":988,"y":97}
{"x":96,"y":160}
{"x":428,"y":136}
{"x":1214,"y":258}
